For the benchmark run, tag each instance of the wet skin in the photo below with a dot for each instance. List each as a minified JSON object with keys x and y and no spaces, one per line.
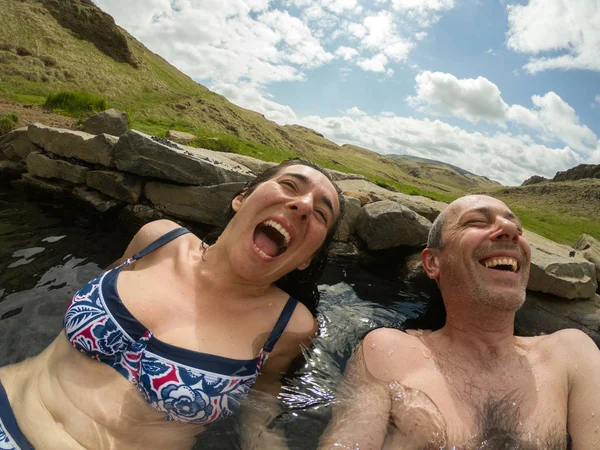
{"x":221,"y":301}
{"x":472,"y":384}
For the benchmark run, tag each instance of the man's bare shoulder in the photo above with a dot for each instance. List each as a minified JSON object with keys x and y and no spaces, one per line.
{"x":390,"y":353}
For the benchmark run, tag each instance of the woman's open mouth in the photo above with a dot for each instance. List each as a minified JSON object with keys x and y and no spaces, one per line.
{"x":271,"y":239}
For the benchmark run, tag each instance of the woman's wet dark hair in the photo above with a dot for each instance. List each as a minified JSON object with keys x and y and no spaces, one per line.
{"x":300,"y":284}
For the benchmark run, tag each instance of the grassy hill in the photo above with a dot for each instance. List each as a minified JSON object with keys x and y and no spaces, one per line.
{"x":52,"y":46}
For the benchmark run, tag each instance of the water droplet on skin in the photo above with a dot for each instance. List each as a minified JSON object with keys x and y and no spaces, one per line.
{"x":426,"y":354}
{"x":514,"y":403}
{"x":270,"y":303}
{"x":593,"y":414}
{"x":414,"y":346}
{"x":537,"y":389}
{"x":576,"y":367}
{"x":373,"y":345}
{"x":390,"y":353}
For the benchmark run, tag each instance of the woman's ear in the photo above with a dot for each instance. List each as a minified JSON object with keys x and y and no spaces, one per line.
{"x":237,"y":201}
{"x":430,"y":260}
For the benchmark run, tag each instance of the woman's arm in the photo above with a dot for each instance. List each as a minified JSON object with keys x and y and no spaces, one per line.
{"x":262,"y":406}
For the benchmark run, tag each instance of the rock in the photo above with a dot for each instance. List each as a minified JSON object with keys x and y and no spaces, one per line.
{"x":421,"y":205}
{"x":42,"y":166}
{"x":138,"y":153}
{"x":412,"y":270}
{"x":204,"y":204}
{"x":16,"y":145}
{"x":554,"y":272}
{"x":111,"y":121}
{"x":180,"y":136}
{"x":95,"y":199}
{"x":589,"y":248}
{"x":10,"y":170}
{"x":578,"y":173}
{"x":388,"y":224}
{"x":544,"y":314}
{"x":74,"y":144}
{"x":348,"y":252}
{"x":352,"y":212}
{"x":336,"y":175}
{"x":255,"y":165}
{"x":55,"y":188}
{"x":140,"y":214}
{"x":121,"y":186}
{"x":535,"y":179}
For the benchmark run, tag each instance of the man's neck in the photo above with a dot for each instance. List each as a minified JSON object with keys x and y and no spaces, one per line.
{"x":484,"y":334}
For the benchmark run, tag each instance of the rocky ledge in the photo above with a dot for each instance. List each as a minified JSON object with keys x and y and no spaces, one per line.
{"x":145,"y":177}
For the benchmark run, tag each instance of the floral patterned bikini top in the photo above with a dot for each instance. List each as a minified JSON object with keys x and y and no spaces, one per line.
{"x":187,"y":386}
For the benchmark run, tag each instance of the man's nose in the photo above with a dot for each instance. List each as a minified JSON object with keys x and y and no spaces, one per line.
{"x":507,"y":230}
{"x":301,"y":205}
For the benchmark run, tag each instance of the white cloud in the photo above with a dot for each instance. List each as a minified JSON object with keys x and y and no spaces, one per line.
{"x":225,"y":41}
{"x":479,"y":99}
{"x":426,"y":12}
{"x":346,"y":53}
{"x":471,"y":99}
{"x":252,"y":97}
{"x":501,"y":156}
{"x":559,"y":34}
{"x":375,"y":64}
{"x":355,"y":111}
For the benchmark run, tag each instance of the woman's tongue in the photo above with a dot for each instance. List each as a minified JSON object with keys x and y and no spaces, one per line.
{"x":268,"y":240}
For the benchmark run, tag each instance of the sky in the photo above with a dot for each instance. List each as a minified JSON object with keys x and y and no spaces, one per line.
{"x":504,"y":89}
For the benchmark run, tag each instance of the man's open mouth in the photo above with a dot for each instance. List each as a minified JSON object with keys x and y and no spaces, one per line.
{"x":271,"y":239}
{"x":505,"y":263}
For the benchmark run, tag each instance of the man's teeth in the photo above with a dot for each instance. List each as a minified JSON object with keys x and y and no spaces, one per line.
{"x":502,"y":262}
{"x":284,"y":233}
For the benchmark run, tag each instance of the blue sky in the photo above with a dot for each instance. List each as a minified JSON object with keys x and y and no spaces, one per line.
{"x":505,"y":89}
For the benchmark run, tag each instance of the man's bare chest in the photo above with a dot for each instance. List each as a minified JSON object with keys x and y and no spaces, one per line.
{"x":465,"y":407}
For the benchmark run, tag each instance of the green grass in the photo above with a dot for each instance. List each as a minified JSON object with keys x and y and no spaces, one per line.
{"x":561,"y":228}
{"x":7,"y":123}
{"x":77,"y":104}
{"x":212,"y":140}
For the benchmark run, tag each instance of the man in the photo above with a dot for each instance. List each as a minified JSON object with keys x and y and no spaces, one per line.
{"x":471,"y":384}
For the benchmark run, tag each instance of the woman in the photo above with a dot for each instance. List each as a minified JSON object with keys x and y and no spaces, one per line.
{"x":173,"y":337}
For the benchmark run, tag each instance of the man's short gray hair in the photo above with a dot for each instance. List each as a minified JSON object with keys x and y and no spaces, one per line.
{"x":434,"y":239}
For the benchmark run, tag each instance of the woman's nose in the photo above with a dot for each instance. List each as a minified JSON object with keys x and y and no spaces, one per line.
{"x":301,"y":205}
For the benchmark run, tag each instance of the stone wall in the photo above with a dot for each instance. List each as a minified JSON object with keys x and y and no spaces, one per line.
{"x":148,"y":177}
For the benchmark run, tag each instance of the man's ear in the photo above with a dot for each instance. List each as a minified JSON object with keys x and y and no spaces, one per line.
{"x":430,"y":260}
{"x":237,"y":201}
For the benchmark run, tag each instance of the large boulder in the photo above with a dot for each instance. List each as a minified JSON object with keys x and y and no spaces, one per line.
{"x":363,"y":189}
{"x":10,"y":170}
{"x":96,"y":200}
{"x":589,"y":248}
{"x":111,"y":121}
{"x":16,"y":145}
{"x":74,"y":144}
{"x":54,"y":188}
{"x":388,"y":224}
{"x":204,"y":204}
{"x":352,"y":212}
{"x":121,"y":186}
{"x":139,"y":153}
{"x":255,"y":165}
{"x":45,"y":167}
{"x":544,"y":314}
{"x":557,"y":269}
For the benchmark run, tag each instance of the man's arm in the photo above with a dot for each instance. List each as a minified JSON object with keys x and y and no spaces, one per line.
{"x":583,"y":420}
{"x":361,"y":412}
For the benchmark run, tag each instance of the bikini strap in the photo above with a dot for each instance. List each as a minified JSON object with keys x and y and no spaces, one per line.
{"x":282,"y":322}
{"x":164,"y":239}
